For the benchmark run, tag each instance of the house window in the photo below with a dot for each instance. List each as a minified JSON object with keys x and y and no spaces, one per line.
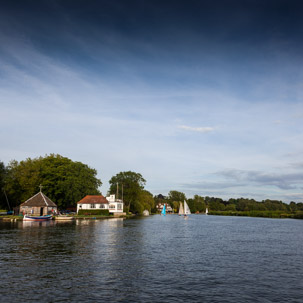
{"x":119,"y":206}
{"x":102,"y":206}
{"x":112,"y":206}
{"x":93,"y":206}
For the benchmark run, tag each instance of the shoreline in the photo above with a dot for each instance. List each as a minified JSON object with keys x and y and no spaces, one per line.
{"x":13,"y":218}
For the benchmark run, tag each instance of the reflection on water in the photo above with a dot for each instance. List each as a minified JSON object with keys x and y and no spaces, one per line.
{"x":152,"y":259}
{"x":32,"y":224}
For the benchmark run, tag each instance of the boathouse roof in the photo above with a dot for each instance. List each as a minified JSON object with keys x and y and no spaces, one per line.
{"x":39,"y":200}
{"x":96,"y":199}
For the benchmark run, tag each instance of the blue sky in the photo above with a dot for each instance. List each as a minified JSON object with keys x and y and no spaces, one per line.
{"x":204,"y":97}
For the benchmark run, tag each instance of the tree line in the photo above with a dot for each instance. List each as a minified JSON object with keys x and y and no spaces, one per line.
{"x":66,"y":182}
{"x":199,"y":204}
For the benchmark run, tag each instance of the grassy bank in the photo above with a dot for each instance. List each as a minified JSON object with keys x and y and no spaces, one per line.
{"x":262,"y":214}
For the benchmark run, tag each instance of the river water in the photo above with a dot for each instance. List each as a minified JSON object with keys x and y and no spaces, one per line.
{"x":153,"y":259}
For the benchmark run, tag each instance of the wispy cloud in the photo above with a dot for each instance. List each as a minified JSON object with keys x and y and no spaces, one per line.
{"x":197,"y":129}
{"x":283,"y":180}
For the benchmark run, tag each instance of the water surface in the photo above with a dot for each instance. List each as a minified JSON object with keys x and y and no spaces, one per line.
{"x":153,"y":259}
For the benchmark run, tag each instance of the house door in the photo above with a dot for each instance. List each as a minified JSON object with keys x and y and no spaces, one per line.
{"x":41,"y":211}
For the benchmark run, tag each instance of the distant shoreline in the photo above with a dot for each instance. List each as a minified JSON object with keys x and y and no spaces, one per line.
{"x":259,"y":214}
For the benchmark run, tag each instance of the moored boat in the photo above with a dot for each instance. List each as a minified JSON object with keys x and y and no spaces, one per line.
{"x":37,"y":218}
{"x":64,"y":218}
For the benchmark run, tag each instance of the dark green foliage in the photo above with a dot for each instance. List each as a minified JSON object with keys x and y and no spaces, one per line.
{"x":176,"y":196}
{"x":64,"y":181}
{"x":298,"y":215}
{"x":135,"y":198}
{"x":93,"y":212}
{"x":197,"y":204}
{"x":262,"y":214}
{"x":3,"y":202}
{"x":250,"y":207}
{"x":146,"y":199}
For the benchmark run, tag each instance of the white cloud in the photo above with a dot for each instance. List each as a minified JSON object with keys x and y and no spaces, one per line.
{"x":197,"y":129}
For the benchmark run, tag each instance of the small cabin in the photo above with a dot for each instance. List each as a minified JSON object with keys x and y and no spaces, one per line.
{"x":38,"y":205}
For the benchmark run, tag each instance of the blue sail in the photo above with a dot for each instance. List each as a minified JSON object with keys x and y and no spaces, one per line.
{"x":163,"y":210}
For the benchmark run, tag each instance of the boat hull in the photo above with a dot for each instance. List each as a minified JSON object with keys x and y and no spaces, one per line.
{"x":64,"y":218}
{"x":37,"y":218}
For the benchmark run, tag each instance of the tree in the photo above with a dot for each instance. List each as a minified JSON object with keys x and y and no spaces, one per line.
{"x":132,"y":184}
{"x":3,"y":202}
{"x":176,"y":196}
{"x":63,"y":181}
{"x":199,"y":203}
{"x":192,"y":206}
{"x":146,"y":199}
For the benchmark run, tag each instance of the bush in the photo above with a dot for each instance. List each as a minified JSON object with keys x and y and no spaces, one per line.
{"x":93,"y":212}
{"x":298,"y":215}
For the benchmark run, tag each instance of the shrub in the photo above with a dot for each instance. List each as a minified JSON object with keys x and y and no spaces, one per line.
{"x":94,"y":212}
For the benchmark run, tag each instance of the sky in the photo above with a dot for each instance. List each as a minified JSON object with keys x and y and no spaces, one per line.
{"x":203,"y":97}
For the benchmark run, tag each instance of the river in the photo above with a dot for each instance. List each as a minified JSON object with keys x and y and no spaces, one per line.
{"x":153,"y":259}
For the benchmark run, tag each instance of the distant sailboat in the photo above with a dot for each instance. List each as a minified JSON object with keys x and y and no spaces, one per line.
{"x":163,"y":210}
{"x":206,"y":211}
{"x":181,"y":210}
{"x":186,"y":209}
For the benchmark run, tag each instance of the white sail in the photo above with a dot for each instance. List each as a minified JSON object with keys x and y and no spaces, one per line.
{"x":181,"y":210}
{"x":206,"y":211}
{"x":186,"y":209}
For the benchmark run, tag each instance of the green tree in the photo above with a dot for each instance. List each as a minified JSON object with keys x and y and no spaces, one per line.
{"x":175,"y":205}
{"x":192,"y":205}
{"x":176,"y":196}
{"x":300,"y":206}
{"x":3,"y":202}
{"x":293,"y":206}
{"x":146,"y":199}
{"x":132,"y":185}
{"x":216,"y":205}
{"x":199,"y":203}
{"x":63,"y":181}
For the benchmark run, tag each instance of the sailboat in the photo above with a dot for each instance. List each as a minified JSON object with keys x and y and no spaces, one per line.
{"x":206,"y":211}
{"x":186,"y":209}
{"x":181,"y":210}
{"x":163,"y":210}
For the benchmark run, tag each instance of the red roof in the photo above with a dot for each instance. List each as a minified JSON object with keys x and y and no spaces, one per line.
{"x":93,"y":200}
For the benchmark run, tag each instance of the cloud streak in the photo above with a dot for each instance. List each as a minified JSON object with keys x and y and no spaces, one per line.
{"x":197,"y":129}
{"x":285,"y":181}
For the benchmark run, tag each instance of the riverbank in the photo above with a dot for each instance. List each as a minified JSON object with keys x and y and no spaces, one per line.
{"x":81,"y":217}
{"x":262,"y":214}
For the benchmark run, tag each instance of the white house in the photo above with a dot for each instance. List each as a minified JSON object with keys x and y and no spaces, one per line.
{"x":115,"y":205}
{"x":97,"y":202}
